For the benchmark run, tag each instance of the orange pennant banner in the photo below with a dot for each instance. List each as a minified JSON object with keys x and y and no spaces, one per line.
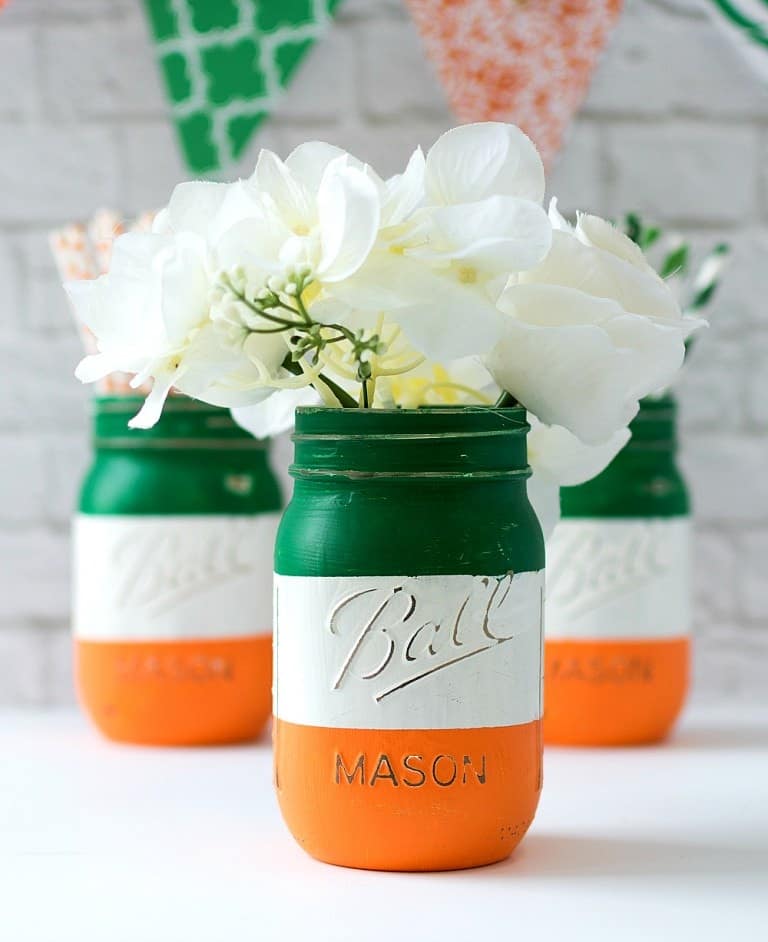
{"x":524,"y":61}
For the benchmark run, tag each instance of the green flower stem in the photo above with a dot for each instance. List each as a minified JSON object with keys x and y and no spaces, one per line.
{"x":345,"y":332}
{"x":270,"y":330}
{"x":269,"y":317}
{"x":302,"y":323}
{"x":301,"y":307}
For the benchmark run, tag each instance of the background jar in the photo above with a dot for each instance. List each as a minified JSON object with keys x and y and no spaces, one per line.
{"x":172,"y":576}
{"x":618,"y":595}
{"x":409,"y":595}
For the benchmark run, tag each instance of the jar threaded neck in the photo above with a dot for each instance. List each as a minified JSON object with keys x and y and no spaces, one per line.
{"x":428,"y":443}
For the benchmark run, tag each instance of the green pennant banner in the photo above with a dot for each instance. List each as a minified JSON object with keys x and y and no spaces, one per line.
{"x":224,"y":64}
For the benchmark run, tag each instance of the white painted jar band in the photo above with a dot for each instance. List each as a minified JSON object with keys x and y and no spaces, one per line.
{"x":410,"y":652}
{"x":172,"y":577}
{"x":619,"y":579}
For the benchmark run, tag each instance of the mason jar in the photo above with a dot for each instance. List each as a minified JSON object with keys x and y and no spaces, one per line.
{"x":618,"y":609}
{"x":408,"y":611}
{"x":172,"y":577}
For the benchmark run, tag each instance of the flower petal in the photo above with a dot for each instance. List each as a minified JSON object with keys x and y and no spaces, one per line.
{"x":122,"y":307}
{"x":152,"y":408}
{"x":330,"y":310}
{"x":473,"y":161}
{"x":404,"y":192}
{"x":500,"y":234}
{"x":94,"y":367}
{"x":185,"y":287}
{"x":349,"y":215}
{"x":285,"y":190}
{"x":598,"y":272}
{"x":589,"y":373}
{"x":444,"y":319}
{"x":309,"y":161}
{"x":242,"y":201}
{"x":275,"y":414}
{"x":376,"y":287}
{"x":557,"y":219}
{"x":192,"y":206}
{"x":555,"y":452}
{"x":601,"y":234}
{"x":255,"y":242}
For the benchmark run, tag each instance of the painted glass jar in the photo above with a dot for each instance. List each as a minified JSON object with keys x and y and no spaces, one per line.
{"x":408,"y":611}
{"x":173,"y":544}
{"x":618,"y":595}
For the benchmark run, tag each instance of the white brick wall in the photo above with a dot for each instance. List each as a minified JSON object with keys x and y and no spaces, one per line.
{"x":675,"y":126}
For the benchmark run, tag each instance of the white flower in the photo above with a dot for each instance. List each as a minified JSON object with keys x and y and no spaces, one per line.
{"x":276,"y":414}
{"x":149,"y":314}
{"x":318,"y":211}
{"x":454,"y":228}
{"x":589,"y":331}
{"x":163,"y":311}
{"x":559,"y":459}
{"x":444,"y":284}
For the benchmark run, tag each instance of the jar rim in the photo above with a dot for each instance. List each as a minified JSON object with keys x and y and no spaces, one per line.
{"x":185,"y":425}
{"x":429,"y":443}
{"x":124,"y":405}
{"x":318,"y":421}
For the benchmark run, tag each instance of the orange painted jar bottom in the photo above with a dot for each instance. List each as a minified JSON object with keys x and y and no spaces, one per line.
{"x":410,"y":800}
{"x":613,"y":692}
{"x":177,"y":693}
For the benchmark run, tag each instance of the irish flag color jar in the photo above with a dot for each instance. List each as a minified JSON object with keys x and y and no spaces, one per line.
{"x":408,"y":600}
{"x":172,"y":596}
{"x":618,"y":595}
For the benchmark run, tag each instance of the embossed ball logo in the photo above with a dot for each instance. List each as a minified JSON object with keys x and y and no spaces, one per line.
{"x":394,"y":638}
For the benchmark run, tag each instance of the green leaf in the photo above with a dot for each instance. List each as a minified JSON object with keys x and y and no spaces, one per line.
{"x":649,"y":237}
{"x":676,"y":262}
{"x":702,"y":298}
{"x":633,"y":227}
{"x":345,"y":400}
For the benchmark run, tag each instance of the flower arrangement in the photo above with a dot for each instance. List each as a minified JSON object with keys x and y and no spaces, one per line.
{"x":318,"y":281}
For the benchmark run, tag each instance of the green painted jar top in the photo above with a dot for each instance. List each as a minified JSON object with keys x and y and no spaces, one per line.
{"x":195,"y":460}
{"x":436,"y":442}
{"x":184,"y":424}
{"x":407,"y":492}
{"x":643,"y":480}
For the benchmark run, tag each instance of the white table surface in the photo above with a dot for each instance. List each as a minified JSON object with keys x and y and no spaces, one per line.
{"x":103,"y":843}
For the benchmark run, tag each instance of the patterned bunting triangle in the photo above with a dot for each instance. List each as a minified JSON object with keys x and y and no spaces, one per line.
{"x":525,"y":61}
{"x":224,"y":64}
